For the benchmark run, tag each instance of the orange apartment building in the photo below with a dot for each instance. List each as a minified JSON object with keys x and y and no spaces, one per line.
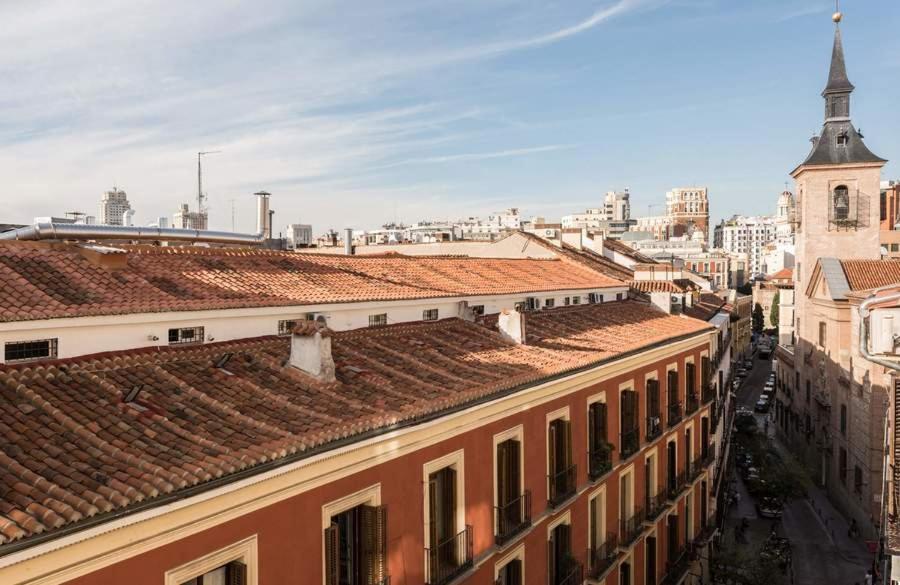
{"x":564,"y":438}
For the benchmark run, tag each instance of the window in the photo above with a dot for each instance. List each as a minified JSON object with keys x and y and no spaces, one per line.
{"x":843,"y":138}
{"x":23,"y":351}
{"x":513,"y":511}
{"x":562,"y":472}
{"x":577,"y":300}
{"x":356,"y":547}
{"x":599,"y":448}
{"x":654,"y":422}
{"x":511,"y":573}
{"x":883,"y":203}
{"x":567,"y":301}
{"x":895,"y":247}
{"x":857,"y":479}
{"x":844,"y":419}
{"x":807,"y":391}
{"x":430,"y":315}
{"x":478,"y":310}
{"x":186,"y":335}
{"x":561,"y":566}
{"x":628,"y":409}
{"x":286,"y":326}
{"x":548,"y":303}
{"x":841,"y":203}
{"x":378,"y":320}
{"x":842,"y":465}
{"x":448,"y":552}
{"x":233,"y":565}
{"x":595,"y":298}
{"x":619,"y":296}
{"x":823,"y":330}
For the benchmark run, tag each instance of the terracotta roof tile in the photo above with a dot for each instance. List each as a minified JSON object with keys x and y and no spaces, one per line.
{"x":671,"y":286}
{"x":38,"y":281}
{"x":626,"y":250}
{"x":866,"y":274}
{"x":78,"y":441}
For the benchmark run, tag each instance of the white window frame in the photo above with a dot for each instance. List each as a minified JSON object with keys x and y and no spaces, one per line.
{"x":564,"y":518}
{"x":629,"y":558}
{"x":517,"y":553}
{"x":370,"y":496}
{"x":689,"y":512}
{"x":627,"y":473}
{"x":517,"y":433}
{"x":245,"y":551}
{"x":652,"y":453}
{"x":598,"y":495}
{"x":456,"y":460}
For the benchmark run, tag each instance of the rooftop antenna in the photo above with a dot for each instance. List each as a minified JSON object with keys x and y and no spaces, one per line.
{"x":200,"y":195}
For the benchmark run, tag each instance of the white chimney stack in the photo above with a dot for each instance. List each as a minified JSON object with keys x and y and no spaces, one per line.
{"x":311,"y":350}
{"x":348,"y":241}
{"x":512,"y":325}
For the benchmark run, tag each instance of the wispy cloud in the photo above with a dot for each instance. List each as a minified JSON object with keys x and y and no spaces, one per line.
{"x":802,"y":11}
{"x":470,"y":156}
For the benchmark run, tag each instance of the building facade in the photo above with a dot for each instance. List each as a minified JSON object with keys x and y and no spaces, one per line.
{"x":113,"y":207}
{"x":747,"y":235}
{"x":184,"y":219}
{"x":688,"y":209}
{"x":298,"y":235}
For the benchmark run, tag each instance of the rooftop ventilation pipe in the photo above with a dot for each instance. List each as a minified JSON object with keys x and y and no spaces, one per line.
{"x":74,"y":231}
{"x":348,"y":241}
{"x":263,"y":219}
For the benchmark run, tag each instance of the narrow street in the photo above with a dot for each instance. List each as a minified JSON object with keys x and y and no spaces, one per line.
{"x":822,"y":552}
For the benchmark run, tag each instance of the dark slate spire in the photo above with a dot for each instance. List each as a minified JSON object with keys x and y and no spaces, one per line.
{"x":839,"y":142}
{"x":837,"y":77}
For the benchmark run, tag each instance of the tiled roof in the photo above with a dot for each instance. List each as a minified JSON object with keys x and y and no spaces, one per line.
{"x":707,"y":307}
{"x":627,"y":250}
{"x":866,"y":274}
{"x":598,"y":262}
{"x":783,"y":274}
{"x":88,"y":437}
{"x":39,"y":281}
{"x":671,"y":286}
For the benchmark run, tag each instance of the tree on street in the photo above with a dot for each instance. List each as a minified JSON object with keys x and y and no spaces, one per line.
{"x":758,"y":319}
{"x":773,"y":314}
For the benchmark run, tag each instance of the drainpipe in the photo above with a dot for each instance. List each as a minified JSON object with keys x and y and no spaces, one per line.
{"x":895,"y":367}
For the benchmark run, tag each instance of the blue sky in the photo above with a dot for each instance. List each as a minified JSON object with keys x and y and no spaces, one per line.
{"x":355,"y":113}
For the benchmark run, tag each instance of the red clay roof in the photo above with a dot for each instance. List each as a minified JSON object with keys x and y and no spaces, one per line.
{"x":649,"y":286}
{"x":39,"y":281}
{"x":74,"y":447}
{"x":866,"y":274}
{"x":707,"y":307}
{"x":626,"y":250}
{"x":783,"y":274}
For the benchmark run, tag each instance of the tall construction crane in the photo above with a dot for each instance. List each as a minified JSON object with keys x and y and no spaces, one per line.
{"x":200,"y":195}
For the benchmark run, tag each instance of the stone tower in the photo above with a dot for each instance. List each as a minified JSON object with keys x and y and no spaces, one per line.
{"x":838,"y":184}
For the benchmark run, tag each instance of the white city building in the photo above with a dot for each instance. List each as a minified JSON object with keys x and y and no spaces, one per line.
{"x":298,"y":235}
{"x":113,"y":206}
{"x":747,"y":235}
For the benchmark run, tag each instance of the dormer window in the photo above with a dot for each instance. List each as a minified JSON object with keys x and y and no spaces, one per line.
{"x":843,"y":138}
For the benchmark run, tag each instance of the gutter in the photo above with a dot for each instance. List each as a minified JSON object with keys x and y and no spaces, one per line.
{"x":225,"y":481}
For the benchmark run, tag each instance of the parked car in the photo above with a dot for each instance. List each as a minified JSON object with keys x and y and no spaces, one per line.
{"x":748,"y":364}
{"x":762,"y":405}
{"x":742,"y":373}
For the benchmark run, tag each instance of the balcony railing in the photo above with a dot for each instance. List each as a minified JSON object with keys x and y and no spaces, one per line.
{"x":599,"y":462}
{"x":562,"y":486}
{"x":449,"y":558}
{"x":655,"y":506}
{"x":512,"y":518}
{"x":602,"y":557}
{"x":677,"y":482}
{"x":631,"y":528}
{"x":674,"y":414}
{"x":692,"y":403}
{"x":678,"y":564}
{"x":630,"y":441}
{"x":570,"y":572}
{"x":708,"y":456}
{"x":694,"y":469}
{"x":654,"y":426}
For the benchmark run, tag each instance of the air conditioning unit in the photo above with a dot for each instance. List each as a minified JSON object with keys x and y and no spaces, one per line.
{"x":884,"y":331}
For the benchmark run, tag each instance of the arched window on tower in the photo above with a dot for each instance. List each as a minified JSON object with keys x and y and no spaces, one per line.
{"x":841,"y":202}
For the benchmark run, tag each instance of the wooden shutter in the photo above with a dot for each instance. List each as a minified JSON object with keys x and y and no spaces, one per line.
{"x":672,"y":390}
{"x":432,"y":513}
{"x":513,"y":471}
{"x":551,"y":557}
{"x":236,"y":573}
{"x":511,"y":573}
{"x":332,"y":555}
{"x":566,"y":444}
{"x":593,"y":541}
{"x":373,"y":520}
{"x":689,"y":382}
{"x":704,"y":371}
{"x":502,"y":474}
{"x":653,"y":397}
{"x":552,"y":442}
{"x":597,"y":432}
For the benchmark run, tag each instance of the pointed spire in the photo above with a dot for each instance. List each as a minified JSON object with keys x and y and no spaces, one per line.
{"x":837,"y":77}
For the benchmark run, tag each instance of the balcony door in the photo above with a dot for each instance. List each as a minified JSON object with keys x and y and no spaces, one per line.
{"x":560,"y":554}
{"x":443,"y":553}
{"x":671,"y":464}
{"x":511,"y":573}
{"x":510,"y":509}
{"x":650,"y":557}
{"x":629,"y":423}
{"x":355,"y":547}
{"x":598,"y":440}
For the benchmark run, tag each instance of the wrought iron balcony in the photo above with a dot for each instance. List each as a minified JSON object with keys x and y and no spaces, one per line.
{"x":600,"y":461}
{"x":562,"y":486}
{"x":602,"y":557}
{"x":655,"y":506}
{"x":631,"y":528}
{"x":694,"y":469}
{"x":449,"y":558}
{"x":512,"y":518}
{"x":674,"y":414}
{"x":708,"y":393}
{"x":571,"y":572}
{"x":629,"y":442}
{"x":654,"y":426}
{"x":676,"y":484}
{"x":677,"y":566}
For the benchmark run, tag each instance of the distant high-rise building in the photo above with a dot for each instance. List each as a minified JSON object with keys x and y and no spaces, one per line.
{"x":612,"y":220}
{"x":688,"y":210}
{"x":746,"y":235}
{"x":185,"y":219}
{"x":113,"y":206}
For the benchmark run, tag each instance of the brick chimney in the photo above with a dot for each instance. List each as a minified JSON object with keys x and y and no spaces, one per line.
{"x":311,"y":350}
{"x":512,"y":325}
